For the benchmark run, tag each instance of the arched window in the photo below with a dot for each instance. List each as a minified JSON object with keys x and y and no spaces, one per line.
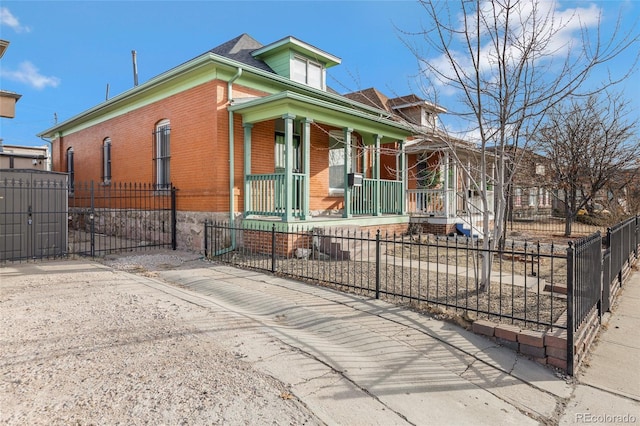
{"x":162,"y":155}
{"x":106,"y":160}
{"x":70,"y":169}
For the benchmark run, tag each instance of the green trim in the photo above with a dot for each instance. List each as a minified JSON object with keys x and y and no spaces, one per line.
{"x":368,"y":221}
{"x":293,"y":44}
{"x":163,"y":86}
{"x":197,"y":71}
{"x":287,"y":102}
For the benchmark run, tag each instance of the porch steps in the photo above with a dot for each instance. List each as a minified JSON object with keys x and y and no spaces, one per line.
{"x":343,"y":243}
{"x":468,"y":230}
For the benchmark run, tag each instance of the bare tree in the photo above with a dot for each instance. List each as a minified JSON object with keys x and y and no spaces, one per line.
{"x":510,"y":62}
{"x":591,"y":142}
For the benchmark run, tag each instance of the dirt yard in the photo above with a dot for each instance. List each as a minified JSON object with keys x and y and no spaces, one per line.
{"x":93,"y":346}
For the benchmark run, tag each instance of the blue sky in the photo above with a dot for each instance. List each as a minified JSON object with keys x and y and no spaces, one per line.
{"x":62,"y":54}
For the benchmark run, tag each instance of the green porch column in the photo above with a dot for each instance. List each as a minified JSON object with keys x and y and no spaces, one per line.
{"x":403,"y":176}
{"x":247,"y":167}
{"x":347,"y":170}
{"x":306,"y":149}
{"x":288,"y":166}
{"x":376,"y":175}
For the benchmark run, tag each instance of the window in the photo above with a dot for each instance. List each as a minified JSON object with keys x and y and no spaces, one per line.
{"x":540,"y":169}
{"x":11,"y":162}
{"x":308,"y":72}
{"x":518,"y":198}
{"x":428,"y":119}
{"x":280,"y":152}
{"x":162,"y":155}
{"x":70,"y":170}
{"x":533,"y":197}
{"x":336,"y":166}
{"x":106,"y":161}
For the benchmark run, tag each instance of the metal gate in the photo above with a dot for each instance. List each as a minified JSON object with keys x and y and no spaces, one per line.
{"x":33,"y":214}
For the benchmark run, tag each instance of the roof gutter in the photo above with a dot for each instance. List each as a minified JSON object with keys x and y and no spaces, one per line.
{"x":195,"y":63}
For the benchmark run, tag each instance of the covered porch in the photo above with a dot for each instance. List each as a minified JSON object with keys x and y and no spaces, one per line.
{"x":327,"y":161}
{"x":446,"y":190}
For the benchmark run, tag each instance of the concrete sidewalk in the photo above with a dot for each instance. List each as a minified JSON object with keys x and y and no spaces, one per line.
{"x":358,"y":361}
{"x":425,"y":371}
{"x":608,"y":382}
{"x":354,"y":360}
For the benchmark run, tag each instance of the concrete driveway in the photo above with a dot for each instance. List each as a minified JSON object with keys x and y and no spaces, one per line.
{"x":348,"y":359}
{"x":353,"y":360}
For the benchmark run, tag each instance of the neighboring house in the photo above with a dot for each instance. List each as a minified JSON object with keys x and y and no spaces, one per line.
{"x":8,"y":99}
{"x":14,"y":156}
{"x":620,"y":196}
{"x":245,"y":131}
{"x":531,"y":192}
{"x":442,"y":195}
{"x":23,"y":157}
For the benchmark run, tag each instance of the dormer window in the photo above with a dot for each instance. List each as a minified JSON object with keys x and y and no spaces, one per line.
{"x":306,"y":71}
{"x":297,"y":61}
{"x":428,"y":118}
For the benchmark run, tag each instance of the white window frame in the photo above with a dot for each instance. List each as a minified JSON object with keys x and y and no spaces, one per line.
{"x":305,"y":75}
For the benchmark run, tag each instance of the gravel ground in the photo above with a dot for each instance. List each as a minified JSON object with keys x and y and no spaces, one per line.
{"x":86,"y":346}
{"x":451,"y":297}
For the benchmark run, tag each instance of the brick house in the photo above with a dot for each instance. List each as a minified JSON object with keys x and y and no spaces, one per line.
{"x":248,"y":133}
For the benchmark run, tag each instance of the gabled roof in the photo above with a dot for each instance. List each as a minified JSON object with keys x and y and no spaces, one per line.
{"x":4,"y":44}
{"x":228,"y":56}
{"x":240,"y":49}
{"x":371,"y":97}
{"x":292,"y":43}
{"x":411,"y":101}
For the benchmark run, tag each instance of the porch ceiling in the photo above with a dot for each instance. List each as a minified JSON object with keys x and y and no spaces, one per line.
{"x":280,"y":104}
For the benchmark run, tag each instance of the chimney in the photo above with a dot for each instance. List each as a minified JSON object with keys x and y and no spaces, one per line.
{"x":135,"y":68}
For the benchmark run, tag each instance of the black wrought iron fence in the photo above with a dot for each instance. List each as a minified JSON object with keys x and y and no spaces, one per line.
{"x":622,"y":242}
{"x":120,"y":216}
{"x":524,"y":284}
{"x":584,"y":258}
{"x":42,"y":216}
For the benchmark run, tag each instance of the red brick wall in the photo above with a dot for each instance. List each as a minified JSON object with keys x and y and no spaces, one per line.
{"x":199,"y":150}
{"x":438,"y":228}
{"x":258,"y":241}
{"x":199,"y":146}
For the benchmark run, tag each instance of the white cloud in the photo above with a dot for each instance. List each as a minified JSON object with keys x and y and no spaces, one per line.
{"x":562,"y":30}
{"x":7,"y":18}
{"x":27,"y":73}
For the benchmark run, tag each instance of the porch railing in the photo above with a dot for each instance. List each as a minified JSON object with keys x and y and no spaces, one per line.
{"x":445,"y":202}
{"x":363,"y":197}
{"x":430,"y":202}
{"x":267,"y":195}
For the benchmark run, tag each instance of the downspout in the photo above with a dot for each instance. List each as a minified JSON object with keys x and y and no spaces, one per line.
{"x":231,"y":161}
{"x":50,"y":159}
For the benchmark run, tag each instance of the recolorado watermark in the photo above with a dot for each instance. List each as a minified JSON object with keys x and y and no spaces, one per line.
{"x":606,"y":418}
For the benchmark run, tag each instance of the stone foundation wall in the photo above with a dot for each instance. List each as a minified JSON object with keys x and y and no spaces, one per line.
{"x":150,"y":226}
{"x":190,"y":228}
